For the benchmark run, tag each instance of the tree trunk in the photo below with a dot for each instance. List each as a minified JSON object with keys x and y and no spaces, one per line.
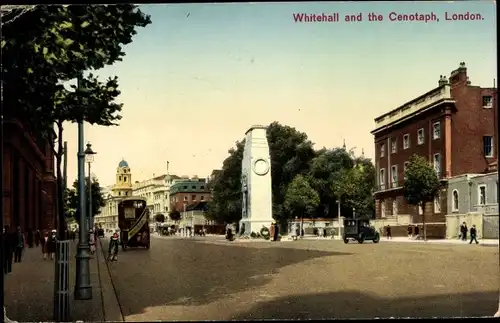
{"x":424,"y":226}
{"x":61,"y":227}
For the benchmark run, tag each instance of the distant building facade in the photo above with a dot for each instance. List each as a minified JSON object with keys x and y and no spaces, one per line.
{"x":187,"y":191}
{"x":108,"y":218}
{"x":453,"y":126}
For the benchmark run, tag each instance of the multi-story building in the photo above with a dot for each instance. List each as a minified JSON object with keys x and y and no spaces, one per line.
{"x":453,"y":126}
{"x":29,"y":183}
{"x":156,"y":191}
{"x":108,"y":218}
{"x":187,"y":191}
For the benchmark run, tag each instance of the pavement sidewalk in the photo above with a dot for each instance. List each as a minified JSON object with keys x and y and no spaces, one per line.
{"x":29,"y":289}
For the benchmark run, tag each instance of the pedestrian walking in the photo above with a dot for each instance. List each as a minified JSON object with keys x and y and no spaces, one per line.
{"x":45,"y":244}
{"x":473,"y":234}
{"x":114,"y":242}
{"x":30,"y":239}
{"x":410,"y":231}
{"x":38,"y":238}
{"x":19,"y":245}
{"x":416,"y":232}
{"x":388,"y":232}
{"x":92,"y":242}
{"x":51,"y":244}
{"x":294,"y":232}
{"x":463,"y":231}
{"x":8,"y":249}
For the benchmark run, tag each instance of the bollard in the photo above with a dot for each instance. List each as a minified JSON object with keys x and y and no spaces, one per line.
{"x":61,"y":286}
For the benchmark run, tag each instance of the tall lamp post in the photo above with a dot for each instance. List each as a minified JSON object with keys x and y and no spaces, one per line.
{"x":89,"y":158}
{"x":83,"y":288}
{"x":339,"y":235}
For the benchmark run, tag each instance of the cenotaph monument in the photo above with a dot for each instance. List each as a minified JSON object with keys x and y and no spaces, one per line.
{"x":257,"y":205}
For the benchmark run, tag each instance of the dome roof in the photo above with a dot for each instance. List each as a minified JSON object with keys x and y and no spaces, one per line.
{"x":123,"y":163}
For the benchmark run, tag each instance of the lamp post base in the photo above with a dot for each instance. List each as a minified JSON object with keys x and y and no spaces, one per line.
{"x":83,"y":287}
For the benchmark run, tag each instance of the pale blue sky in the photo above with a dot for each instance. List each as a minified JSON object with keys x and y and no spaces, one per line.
{"x":194,"y":80}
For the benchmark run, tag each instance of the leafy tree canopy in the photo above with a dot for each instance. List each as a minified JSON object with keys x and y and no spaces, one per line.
{"x":175,"y":215}
{"x":54,"y":43}
{"x":73,"y":199}
{"x":300,"y":198}
{"x":421,"y":183}
{"x":160,"y":218}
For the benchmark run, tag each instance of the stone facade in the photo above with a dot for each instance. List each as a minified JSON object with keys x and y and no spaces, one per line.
{"x":29,"y":197}
{"x":473,"y":199}
{"x":188,"y":191}
{"x":448,"y":126}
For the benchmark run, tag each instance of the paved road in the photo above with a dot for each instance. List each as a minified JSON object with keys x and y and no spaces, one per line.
{"x":182,"y":279}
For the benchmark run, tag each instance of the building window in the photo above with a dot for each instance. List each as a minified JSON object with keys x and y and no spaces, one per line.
{"x":437,"y":163}
{"x":394,"y":144}
{"x":382,"y":178}
{"x":119,"y":178}
{"x":420,"y":136}
{"x":202,"y":198}
{"x":394,"y":176}
{"x":382,"y":209}
{"x":454,"y":206}
{"x":185,"y":187}
{"x":394,"y":207}
{"x":481,"y":190}
{"x":405,"y":166}
{"x":487,"y":102}
{"x":406,"y":141}
{"x":488,"y":146}
{"x":202,"y":187}
{"x":436,"y":130}
{"x":193,"y":187}
{"x":185,"y":198}
{"x":437,"y":204}
{"x":193,"y":197}
{"x":382,"y":150}
{"x":124,"y":178}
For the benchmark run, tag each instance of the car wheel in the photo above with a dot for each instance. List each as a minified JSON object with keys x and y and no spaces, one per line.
{"x":361,"y":239}
{"x":376,"y":239}
{"x":346,"y":240}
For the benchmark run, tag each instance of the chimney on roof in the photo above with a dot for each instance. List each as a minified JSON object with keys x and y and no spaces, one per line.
{"x":459,"y":75}
{"x":442,"y":80}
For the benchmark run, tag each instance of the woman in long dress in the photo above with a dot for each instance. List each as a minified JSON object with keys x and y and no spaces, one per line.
{"x":51,"y":244}
{"x":92,"y":242}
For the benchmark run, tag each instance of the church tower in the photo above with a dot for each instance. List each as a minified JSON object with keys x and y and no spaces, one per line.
{"x":123,"y":183}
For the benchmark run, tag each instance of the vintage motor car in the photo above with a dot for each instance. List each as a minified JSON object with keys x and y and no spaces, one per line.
{"x":360,"y":231}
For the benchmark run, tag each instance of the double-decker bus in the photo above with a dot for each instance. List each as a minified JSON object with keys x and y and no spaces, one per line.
{"x":133,"y":221}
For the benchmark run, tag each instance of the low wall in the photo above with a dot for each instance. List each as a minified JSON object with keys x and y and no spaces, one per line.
{"x":487,"y":225}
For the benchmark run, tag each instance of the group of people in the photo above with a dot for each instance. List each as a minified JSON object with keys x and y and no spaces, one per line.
{"x":13,"y":243}
{"x":472,"y":232}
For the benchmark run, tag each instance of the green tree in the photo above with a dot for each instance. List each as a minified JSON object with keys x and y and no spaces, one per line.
{"x":175,"y":215}
{"x":421,"y":185}
{"x":325,"y":169}
{"x":354,"y":187}
{"x":300,"y":198}
{"x":73,"y":199}
{"x":226,"y":201}
{"x":48,"y":44}
{"x":291,"y":154}
{"x":160,"y":218}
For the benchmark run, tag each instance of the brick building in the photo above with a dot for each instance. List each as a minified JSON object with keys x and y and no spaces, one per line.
{"x":188,"y":192}
{"x":29,"y":196}
{"x":453,"y":126}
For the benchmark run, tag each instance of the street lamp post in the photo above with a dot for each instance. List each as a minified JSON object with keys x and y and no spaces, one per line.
{"x":83,"y":287}
{"x":89,"y":158}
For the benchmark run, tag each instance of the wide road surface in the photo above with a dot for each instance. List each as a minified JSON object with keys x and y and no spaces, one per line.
{"x":210,"y":279}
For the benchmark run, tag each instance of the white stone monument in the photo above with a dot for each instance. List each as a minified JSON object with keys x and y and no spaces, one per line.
{"x":257,"y":206}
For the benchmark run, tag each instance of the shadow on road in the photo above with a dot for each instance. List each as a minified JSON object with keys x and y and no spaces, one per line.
{"x":361,"y":305}
{"x":178,"y":272}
